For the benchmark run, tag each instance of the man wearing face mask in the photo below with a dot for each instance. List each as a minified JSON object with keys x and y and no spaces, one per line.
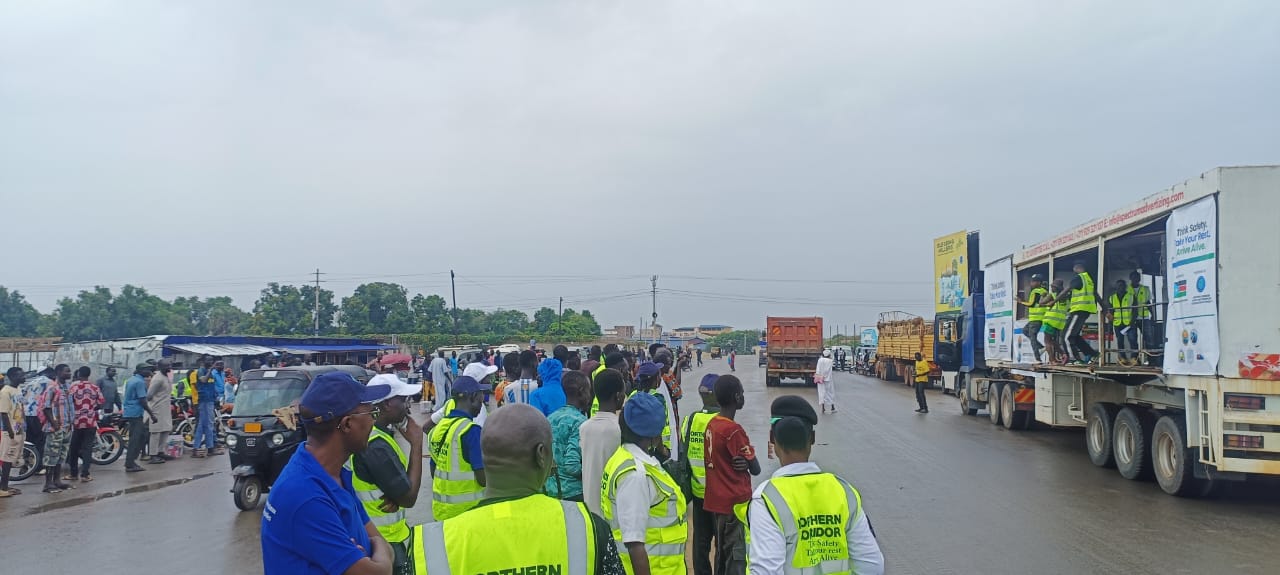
{"x":516,"y":445}
{"x":313,"y":522}
{"x":387,"y":479}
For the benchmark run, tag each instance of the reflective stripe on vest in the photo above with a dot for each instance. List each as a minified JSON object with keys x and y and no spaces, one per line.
{"x":1121,"y":310}
{"x":1035,"y":311}
{"x":1055,"y":315}
{"x":1082,"y":299}
{"x":454,"y":488}
{"x":665,"y":528}
{"x":695,"y":431}
{"x":392,"y":526}
{"x":463,"y":544}
{"x":815,"y":520}
{"x":1142,"y":299}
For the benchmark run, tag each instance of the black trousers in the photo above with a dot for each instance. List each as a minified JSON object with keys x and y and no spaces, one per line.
{"x":920,"y":394}
{"x":704,"y":528}
{"x":137,"y":439}
{"x":80,"y":456}
{"x":731,"y":548}
{"x":36,"y":436}
{"x":1075,"y":341}
{"x":1032,"y":331}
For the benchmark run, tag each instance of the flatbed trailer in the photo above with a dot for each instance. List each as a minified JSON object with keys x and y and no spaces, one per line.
{"x":1198,"y":402}
{"x":901,"y":337}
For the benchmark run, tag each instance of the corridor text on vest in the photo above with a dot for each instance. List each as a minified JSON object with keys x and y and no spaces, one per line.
{"x":529,"y":570}
{"x":825,"y":534}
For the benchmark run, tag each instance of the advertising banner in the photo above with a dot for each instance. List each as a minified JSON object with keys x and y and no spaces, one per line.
{"x":1001,"y":294}
{"x":1191,"y":347}
{"x":950,"y":272}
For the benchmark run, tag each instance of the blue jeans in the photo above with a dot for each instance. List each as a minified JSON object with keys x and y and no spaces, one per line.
{"x":205,"y":436}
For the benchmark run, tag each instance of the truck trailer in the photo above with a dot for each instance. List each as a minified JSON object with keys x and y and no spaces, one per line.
{"x":901,"y":337}
{"x":1198,"y":401}
{"x":793,"y":345}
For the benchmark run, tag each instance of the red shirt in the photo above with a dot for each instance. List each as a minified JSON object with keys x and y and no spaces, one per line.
{"x":726,"y":486}
{"x":86,"y":398}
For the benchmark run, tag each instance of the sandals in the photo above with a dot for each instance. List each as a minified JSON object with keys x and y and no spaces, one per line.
{"x":86,"y":479}
{"x":6,"y":493}
{"x":52,"y":489}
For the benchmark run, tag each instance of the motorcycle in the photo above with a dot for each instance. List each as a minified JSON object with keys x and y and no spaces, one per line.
{"x":28,"y":465}
{"x":110,"y":445}
{"x":185,"y":419}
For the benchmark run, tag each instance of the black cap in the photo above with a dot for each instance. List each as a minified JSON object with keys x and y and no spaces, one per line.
{"x":794,"y":406}
{"x":1037,"y":278}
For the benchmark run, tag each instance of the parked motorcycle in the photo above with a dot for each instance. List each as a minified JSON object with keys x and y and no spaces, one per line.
{"x":111,"y":443}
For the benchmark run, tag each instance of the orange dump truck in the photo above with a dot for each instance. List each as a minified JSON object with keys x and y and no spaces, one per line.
{"x":793,"y":345}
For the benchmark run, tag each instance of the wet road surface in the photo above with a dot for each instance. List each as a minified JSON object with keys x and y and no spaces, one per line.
{"x":946,"y":494}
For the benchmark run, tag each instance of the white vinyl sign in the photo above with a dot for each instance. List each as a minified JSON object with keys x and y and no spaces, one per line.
{"x":999,"y":296}
{"x":1191,"y":334}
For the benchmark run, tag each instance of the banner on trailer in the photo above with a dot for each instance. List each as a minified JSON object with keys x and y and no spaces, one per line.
{"x":950,"y":272}
{"x":1191,"y":345}
{"x":1000,"y":294}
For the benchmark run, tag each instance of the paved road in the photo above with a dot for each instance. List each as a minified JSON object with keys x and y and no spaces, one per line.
{"x":946,"y":494}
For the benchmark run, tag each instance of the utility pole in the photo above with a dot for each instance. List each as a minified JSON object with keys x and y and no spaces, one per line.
{"x":453,"y":287}
{"x":654,"y":325}
{"x":315,"y":314}
{"x":560,"y":315}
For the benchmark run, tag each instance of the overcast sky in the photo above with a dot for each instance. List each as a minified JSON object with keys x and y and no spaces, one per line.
{"x":546,"y":149}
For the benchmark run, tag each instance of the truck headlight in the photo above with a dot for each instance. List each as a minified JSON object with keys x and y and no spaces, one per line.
{"x":277,"y":439}
{"x":232,"y":440}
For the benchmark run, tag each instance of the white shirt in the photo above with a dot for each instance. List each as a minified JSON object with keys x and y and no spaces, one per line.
{"x":768,"y":553}
{"x":598,"y":438}
{"x":518,"y":391}
{"x":635,"y":494}
{"x":673,"y":424}
{"x":824,"y":369}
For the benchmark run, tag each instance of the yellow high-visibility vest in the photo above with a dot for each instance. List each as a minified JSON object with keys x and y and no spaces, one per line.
{"x":815,"y":513}
{"x":392,"y":525}
{"x":454,"y":488}
{"x":464,"y":544}
{"x":1082,"y":299}
{"x":1035,"y":311}
{"x":665,"y":531}
{"x":695,"y":432}
{"x":1121,"y":310}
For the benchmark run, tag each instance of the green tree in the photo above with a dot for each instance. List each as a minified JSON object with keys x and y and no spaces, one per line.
{"x":544,"y":320}
{"x":17,"y":317}
{"x":431,"y":314}
{"x":86,"y":317}
{"x":287,"y":310}
{"x":136,"y":313}
{"x":736,"y":339}
{"x":507,"y":322}
{"x":377,"y":307}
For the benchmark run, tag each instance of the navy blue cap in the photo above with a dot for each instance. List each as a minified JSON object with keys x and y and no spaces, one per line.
{"x":466,"y":384}
{"x":645,"y":414}
{"x":650,"y":369}
{"x":708,"y":383}
{"x":336,"y":394}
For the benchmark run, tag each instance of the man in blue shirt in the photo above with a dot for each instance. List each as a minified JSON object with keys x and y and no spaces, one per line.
{"x":134,"y":406}
{"x":313,"y":523}
{"x":206,"y":440}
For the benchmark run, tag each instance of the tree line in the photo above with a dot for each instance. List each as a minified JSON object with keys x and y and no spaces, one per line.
{"x":282,"y":310}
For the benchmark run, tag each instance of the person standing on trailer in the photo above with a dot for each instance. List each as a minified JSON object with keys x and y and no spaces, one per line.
{"x":1054,"y":322}
{"x":1035,"y":314}
{"x":1084,"y":301}
{"x":1122,"y":323}
{"x":1142,"y":314}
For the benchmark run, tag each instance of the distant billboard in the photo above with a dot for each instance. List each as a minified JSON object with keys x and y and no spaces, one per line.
{"x":870,"y":336}
{"x":950,"y":271}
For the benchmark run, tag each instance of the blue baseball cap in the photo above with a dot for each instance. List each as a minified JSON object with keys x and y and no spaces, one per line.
{"x":650,"y":369}
{"x":645,"y":414}
{"x":467,"y":384}
{"x":708,"y":383}
{"x":336,"y":394}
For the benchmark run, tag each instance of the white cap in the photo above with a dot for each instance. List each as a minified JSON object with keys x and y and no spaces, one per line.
{"x":398,"y":387}
{"x":477,"y":370}
{"x":826,"y":353}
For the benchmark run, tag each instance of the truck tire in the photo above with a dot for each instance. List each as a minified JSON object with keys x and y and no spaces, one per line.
{"x":1132,"y":443}
{"x":1171,"y":460}
{"x":993,"y":402}
{"x":1009,"y":414}
{"x":1098,"y":433}
{"x":967,"y":406}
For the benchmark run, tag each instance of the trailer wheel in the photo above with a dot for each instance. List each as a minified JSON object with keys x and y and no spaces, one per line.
{"x":1009,"y":414}
{"x":770,"y":381}
{"x":1171,"y":459}
{"x":1132,"y":443}
{"x":1098,"y":433}
{"x":993,"y":401}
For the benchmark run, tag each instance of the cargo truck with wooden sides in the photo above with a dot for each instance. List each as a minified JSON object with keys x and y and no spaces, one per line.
{"x":1185,"y":386}
{"x":793,"y":346}
{"x":901,"y":337}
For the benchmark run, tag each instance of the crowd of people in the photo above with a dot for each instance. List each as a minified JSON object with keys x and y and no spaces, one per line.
{"x":59,"y":411}
{"x":577,"y":464}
